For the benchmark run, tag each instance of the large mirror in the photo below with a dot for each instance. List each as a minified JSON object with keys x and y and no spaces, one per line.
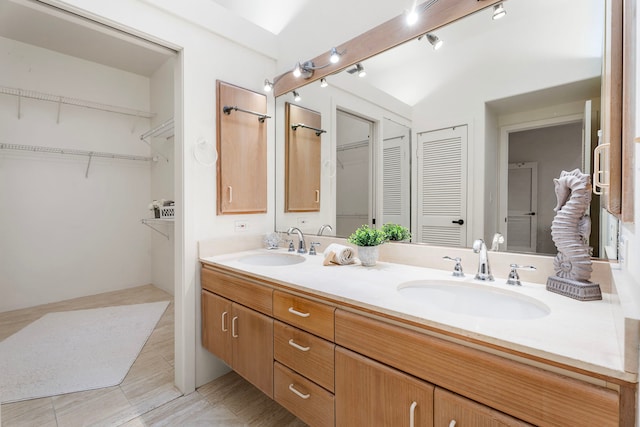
{"x":461,"y":142}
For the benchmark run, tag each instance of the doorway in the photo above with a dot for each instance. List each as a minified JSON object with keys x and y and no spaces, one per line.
{"x":354,"y":173}
{"x":553,"y":146}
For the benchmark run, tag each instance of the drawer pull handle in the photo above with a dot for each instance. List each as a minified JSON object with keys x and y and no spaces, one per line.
{"x":452,"y":423}
{"x":230,"y":194}
{"x":298,"y":313}
{"x":300,"y":395}
{"x":412,"y":414}
{"x":223,"y":322}
{"x":292,"y":343}
{"x":233,"y":327}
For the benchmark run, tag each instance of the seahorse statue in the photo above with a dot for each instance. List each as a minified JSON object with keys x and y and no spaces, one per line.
{"x":571,"y":226}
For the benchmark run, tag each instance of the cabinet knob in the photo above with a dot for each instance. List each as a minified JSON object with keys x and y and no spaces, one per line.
{"x":233,"y":327}
{"x":294,"y":344}
{"x":298,"y":313}
{"x":412,"y":414}
{"x":297,"y":393}
{"x":223,"y":322}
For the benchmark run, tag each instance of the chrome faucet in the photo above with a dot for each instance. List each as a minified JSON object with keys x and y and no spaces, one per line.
{"x":484,"y":271}
{"x":302,"y":248}
{"x":322,"y":228}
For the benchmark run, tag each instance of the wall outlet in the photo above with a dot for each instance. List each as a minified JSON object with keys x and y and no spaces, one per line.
{"x":241,"y":226}
{"x":302,"y":221}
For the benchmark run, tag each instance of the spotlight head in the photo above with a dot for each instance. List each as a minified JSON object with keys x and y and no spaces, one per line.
{"x":268,"y":86}
{"x":323,"y":82}
{"x":498,"y":11}
{"x":334,"y":56}
{"x":296,"y":96}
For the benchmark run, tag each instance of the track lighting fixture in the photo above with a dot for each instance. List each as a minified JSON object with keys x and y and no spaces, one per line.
{"x":306,"y":69}
{"x":357,"y":69}
{"x":435,"y":41}
{"x":296,"y":96}
{"x":498,"y":11}
{"x":268,"y":86}
{"x":323,"y":82}
{"x":413,"y":14}
{"x":334,"y":55}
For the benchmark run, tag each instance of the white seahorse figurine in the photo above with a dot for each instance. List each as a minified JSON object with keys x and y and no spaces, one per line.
{"x":571,"y":226}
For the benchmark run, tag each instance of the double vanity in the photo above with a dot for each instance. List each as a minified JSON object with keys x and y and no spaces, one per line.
{"x":405,"y":345}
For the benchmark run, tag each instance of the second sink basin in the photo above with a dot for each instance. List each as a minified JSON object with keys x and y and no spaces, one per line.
{"x":272,"y":259}
{"x":473,"y":300}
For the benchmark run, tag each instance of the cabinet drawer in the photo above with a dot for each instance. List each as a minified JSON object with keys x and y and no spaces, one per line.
{"x":306,"y":400}
{"x":242,"y":291}
{"x":306,"y":354}
{"x":311,"y":316}
{"x":451,"y":409}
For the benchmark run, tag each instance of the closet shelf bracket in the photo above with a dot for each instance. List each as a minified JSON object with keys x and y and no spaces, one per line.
{"x":148,"y":223}
{"x":165,"y":129}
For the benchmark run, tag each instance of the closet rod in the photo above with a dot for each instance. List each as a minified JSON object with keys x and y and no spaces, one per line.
{"x":302,"y":125}
{"x":227,"y":110}
{"x":32,"y":94}
{"x":74,"y":152}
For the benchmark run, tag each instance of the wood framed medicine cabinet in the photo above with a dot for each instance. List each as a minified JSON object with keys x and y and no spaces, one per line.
{"x":618,"y":80}
{"x":302,"y":159}
{"x":242,"y":150}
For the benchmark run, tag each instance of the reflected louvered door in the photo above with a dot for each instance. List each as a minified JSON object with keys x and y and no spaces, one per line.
{"x":442,"y":187}
{"x":395,"y":182}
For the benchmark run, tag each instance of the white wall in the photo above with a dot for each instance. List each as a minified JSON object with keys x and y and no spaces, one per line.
{"x":64,"y":235}
{"x":204,"y":57}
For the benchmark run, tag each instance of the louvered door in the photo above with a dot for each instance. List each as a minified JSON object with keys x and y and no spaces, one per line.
{"x":395,"y":182}
{"x":442,"y":187}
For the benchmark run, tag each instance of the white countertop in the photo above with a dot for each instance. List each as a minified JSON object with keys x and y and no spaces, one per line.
{"x":575,"y":333}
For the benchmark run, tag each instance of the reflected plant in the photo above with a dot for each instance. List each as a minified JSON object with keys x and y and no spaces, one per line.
{"x":396,"y":232}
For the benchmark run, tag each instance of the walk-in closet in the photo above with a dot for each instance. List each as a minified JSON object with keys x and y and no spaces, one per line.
{"x":86,"y":146}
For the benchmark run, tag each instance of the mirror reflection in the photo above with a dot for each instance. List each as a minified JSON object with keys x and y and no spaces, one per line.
{"x":463,"y":142}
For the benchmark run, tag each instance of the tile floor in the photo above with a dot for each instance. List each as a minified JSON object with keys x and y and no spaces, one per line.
{"x":147,"y":396}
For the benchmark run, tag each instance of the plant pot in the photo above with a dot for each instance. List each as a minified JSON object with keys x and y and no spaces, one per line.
{"x":368,"y":255}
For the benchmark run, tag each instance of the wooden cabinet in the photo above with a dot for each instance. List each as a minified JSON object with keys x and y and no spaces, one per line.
{"x":349,"y":367}
{"x":304,"y":354}
{"x":242,"y":150}
{"x":302,"y":397}
{"x":449,"y":409}
{"x":302,"y":159}
{"x":234,"y":330}
{"x":369,"y":393}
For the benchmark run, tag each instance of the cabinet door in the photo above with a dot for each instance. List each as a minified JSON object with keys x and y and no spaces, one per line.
{"x":216,"y":321}
{"x":252,"y":338}
{"x":453,"y":410}
{"x":242,"y":151}
{"x":303,"y":157}
{"x":371,"y":394}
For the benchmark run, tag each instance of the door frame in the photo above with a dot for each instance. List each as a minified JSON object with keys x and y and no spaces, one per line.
{"x":503,"y":159}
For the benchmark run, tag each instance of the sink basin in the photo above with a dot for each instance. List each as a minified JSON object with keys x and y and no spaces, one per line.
{"x":272,"y":259}
{"x":473,"y":300}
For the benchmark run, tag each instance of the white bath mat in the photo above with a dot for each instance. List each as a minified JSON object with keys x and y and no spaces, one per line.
{"x":73,"y":351}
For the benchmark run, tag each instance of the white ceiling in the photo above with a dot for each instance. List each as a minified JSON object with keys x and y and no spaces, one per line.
{"x":529,"y":33}
{"x":44,"y":26}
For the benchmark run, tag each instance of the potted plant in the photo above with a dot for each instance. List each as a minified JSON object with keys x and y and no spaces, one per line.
{"x":396,"y":232}
{"x":368,"y":239}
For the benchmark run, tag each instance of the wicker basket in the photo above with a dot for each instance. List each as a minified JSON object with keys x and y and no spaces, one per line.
{"x":167,"y":212}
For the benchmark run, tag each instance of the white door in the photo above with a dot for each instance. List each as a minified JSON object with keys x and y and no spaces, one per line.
{"x":522,"y":202}
{"x":396,"y":175}
{"x":442,"y":187}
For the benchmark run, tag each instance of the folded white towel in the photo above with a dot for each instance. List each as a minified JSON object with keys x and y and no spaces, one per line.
{"x":343,"y":255}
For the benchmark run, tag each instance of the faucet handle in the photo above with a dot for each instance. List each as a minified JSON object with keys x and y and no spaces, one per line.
{"x":457,"y":269}
{"x":514,"y":278}
{"x":292,"y":248}
{"x":312,"y":250}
